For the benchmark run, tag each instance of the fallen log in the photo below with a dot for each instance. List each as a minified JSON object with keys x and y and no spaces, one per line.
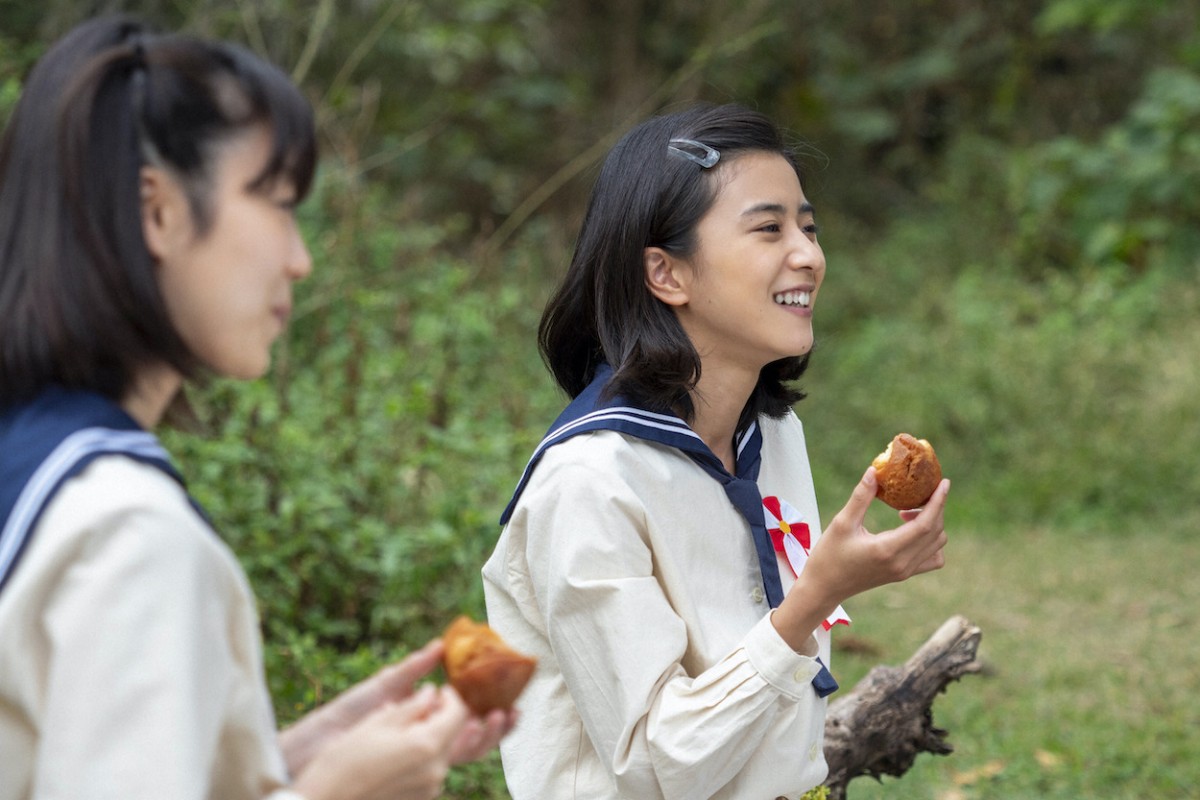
{"x":881,"y":726}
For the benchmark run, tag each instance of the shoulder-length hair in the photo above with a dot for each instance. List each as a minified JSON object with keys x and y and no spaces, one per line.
{"x":80,"y":305}
{"x":602,"y":312}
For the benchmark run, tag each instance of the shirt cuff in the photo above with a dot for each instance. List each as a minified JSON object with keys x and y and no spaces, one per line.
{"x":785,"y":669}
{"x":285,"y":793}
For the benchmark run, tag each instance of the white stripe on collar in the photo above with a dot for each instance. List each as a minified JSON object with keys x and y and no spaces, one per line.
{"x":650,"y":419}
{"x":745,"y":438}
{"x":68,"y":453}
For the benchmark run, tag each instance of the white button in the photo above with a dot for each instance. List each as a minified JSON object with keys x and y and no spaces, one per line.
{"x":812,"y":752}
{"x":756,"y":594}
{"x":801,"y":676}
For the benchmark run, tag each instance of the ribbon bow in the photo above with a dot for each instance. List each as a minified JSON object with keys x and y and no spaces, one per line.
{"x":790,"y":535}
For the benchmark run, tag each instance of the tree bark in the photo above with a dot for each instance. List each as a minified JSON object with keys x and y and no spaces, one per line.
{"x":881,"y":726}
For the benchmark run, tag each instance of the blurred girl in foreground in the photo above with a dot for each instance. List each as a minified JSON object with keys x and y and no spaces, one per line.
{"x":147,"y":235}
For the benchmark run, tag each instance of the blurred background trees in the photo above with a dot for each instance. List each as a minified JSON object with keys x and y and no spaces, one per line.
{"x":486,"y":109}
{"x":1009,"y":203}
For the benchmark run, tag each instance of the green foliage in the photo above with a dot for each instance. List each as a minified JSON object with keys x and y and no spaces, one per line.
{"x":1057,"y":403}
{"x":362,"y":485}
{"x":1101,"y":16}
{"x":1127,"y":200}
{"x":10,"y":90}
{"x":13,"y":60}
{"x":1055,"y":396}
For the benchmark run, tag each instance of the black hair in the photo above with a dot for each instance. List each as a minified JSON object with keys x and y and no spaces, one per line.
{"x":602,"y":312}
{"x":80,"y":305}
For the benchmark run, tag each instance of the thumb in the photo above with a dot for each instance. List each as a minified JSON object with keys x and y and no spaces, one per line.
{"x":397,"y":679}
{"x":414,"y":707}
{"x":449,"y":717}
{"x":855,"y":511}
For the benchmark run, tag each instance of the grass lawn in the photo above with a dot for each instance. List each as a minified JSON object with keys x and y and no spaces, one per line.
{"x":1091,"y":687}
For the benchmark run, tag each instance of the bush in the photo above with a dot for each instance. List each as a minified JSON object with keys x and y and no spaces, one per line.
{"x":1127,"y":200}
{"x":362,"y":484}
{"x":1059,"y":403}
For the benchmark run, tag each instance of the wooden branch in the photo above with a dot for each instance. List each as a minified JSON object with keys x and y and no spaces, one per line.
{"x":881,"y":726}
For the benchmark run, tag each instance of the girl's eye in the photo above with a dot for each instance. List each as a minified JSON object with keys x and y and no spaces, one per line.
{"x":283,"y":196}
{"x":772,"y":227}
{"x":812,"y":228}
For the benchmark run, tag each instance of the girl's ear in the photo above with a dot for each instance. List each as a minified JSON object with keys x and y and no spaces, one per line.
{"x":666,"y":276}
{"x":166,"y":217}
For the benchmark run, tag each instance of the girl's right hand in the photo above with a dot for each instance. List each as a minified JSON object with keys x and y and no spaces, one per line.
{"x":848,"y":559}
{"x":402,"y":751}
{"x":852,"y":560}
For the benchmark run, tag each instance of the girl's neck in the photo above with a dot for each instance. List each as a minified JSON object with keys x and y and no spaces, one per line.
{"x":150,"y":395}
{"x":718,"y":401}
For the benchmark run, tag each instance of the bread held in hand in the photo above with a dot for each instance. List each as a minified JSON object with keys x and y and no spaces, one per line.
{"x":482,"y":668}
{"x":907,"y":472}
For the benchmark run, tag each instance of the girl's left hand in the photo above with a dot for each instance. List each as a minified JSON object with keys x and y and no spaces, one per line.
{"x":308,"y":735}
{"x":481,"y":734}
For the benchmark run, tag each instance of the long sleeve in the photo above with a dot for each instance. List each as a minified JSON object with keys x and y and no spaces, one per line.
{"x":132,"y":650}
{"x":628,"y":571}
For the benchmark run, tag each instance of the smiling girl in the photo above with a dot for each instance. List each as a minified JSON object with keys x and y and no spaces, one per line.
{"x":147,"y":235}
{"x":650,"y":553}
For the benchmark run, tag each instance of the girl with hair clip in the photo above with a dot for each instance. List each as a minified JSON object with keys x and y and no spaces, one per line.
{"x":147,"y":235}
{"x":650,"y":554}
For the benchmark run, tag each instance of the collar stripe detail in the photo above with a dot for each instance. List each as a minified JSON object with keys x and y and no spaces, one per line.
{"x":650,"y":419}
{"x":635,"y":416}
{"x":82,"y":444}
{"x":745,"y":438}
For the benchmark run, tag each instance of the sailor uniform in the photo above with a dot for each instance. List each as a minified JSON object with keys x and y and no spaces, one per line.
{"x":130,"y":653}
{"x":645,"y":593}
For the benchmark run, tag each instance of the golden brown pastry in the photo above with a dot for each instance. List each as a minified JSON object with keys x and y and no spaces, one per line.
{"x":482,"y":668}
{"x":907,"y":472}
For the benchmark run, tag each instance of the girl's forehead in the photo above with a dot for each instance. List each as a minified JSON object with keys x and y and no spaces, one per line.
{"x":757,"y":179}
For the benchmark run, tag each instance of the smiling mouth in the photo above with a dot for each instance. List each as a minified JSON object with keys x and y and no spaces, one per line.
{"x":800,"y":299}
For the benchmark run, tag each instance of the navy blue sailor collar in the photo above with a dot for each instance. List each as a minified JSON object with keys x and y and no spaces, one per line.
{"x":590,"y":411}
{"x":49,"y":440}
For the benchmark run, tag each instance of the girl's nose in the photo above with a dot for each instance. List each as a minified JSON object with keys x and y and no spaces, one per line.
{"x":299,"y":265}
{"x":806,"y":253}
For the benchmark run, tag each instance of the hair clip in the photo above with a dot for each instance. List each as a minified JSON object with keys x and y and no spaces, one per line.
{"x":709,"y":159}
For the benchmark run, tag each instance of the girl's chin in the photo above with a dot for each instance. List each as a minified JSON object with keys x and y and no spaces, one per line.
{"x":246,"y":369}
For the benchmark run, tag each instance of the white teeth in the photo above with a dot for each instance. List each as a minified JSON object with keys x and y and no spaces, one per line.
{"x":794,"y":298}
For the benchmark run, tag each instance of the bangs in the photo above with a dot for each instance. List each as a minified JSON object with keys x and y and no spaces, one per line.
{"x":293,"y":155}
{"x":277,"y":103}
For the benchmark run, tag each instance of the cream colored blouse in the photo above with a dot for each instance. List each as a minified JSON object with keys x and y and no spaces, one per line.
{"x":130,"y":657}
{"x":629,"y":574}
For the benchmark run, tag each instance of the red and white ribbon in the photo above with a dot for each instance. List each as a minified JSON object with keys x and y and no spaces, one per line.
{"x":790,"y":535}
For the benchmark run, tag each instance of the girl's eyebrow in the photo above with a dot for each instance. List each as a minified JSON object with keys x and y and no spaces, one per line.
{"x":776,"y":208}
